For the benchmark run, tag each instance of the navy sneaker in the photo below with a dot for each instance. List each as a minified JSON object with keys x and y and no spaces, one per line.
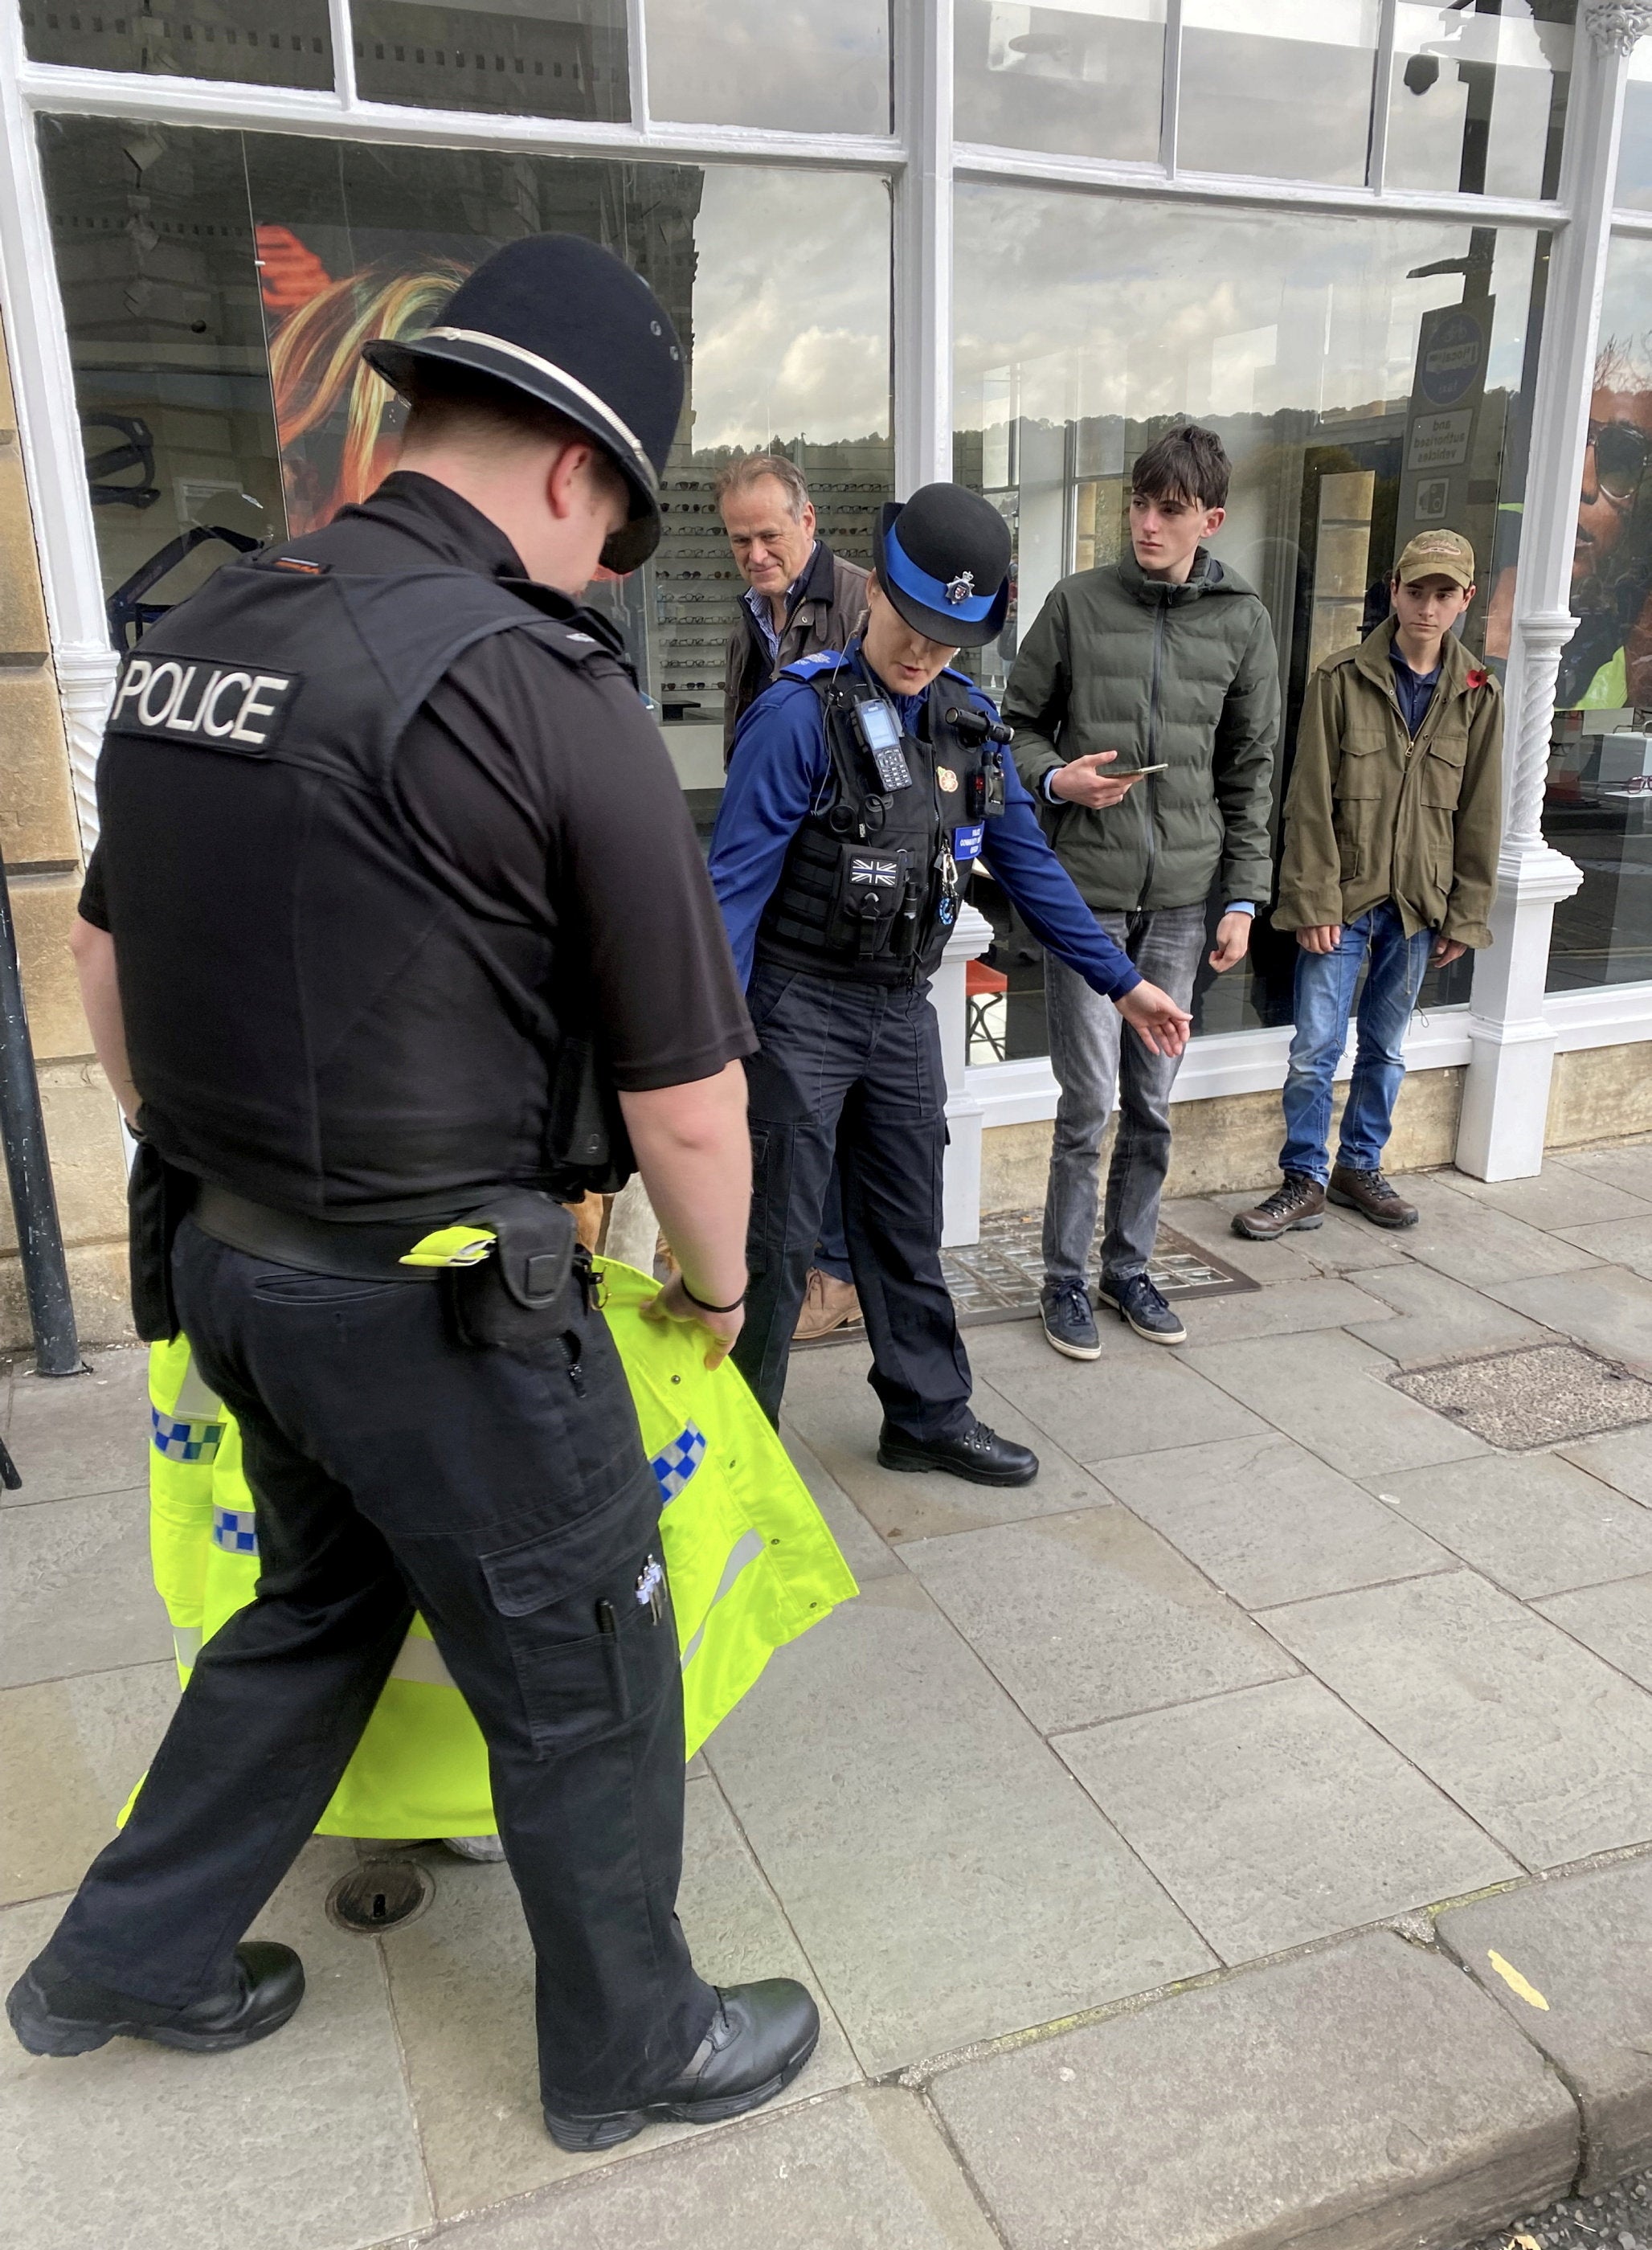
{"x":1138,"y":1301}
{"x":1069,"y":1325}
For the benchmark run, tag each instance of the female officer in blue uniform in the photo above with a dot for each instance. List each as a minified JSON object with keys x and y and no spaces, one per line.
{"x":863,"y":785}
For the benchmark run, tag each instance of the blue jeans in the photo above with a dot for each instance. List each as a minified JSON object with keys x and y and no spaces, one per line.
{"x":1394,"y":965}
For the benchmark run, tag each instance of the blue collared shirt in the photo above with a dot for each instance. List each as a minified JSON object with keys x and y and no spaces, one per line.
{"x":1414,"y":689}
{"x":781,"y":772}
{"x":763,"y":615}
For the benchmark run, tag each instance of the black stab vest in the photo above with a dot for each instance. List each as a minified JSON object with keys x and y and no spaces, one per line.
{"x":864,"y":842}
{"x":315,"y":1021}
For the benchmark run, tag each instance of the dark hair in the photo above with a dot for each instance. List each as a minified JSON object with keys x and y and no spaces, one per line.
{"x":1187,"y":463}
{"x":443,"y":398}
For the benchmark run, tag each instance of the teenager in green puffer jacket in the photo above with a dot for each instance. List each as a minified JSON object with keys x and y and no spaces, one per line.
{"x":1165,"y":658}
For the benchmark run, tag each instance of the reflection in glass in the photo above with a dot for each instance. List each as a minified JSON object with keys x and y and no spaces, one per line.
{"x":1479,"y":97}
{"x":540,"y":59}
{"x":218,"y":287}
{"x":1365,"y":376}
{"x":785,"y":64}
{"x":1280,"y":87}
{"x":1083,"y":78}
{"x":1635,"y":149}
{"x":259,"y":42}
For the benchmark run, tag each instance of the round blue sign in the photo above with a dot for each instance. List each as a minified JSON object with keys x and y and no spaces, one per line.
{"x":1451,"y":359}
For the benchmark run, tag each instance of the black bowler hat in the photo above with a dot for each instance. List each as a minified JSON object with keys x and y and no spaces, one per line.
{"x":943,"y":559}
{"x":558,"y":317}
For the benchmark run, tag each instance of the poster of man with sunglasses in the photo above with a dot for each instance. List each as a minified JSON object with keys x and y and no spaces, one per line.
{"x":1608,"y":663}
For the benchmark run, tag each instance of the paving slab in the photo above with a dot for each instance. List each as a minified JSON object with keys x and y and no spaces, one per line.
{"x":1608,"y":1307}
{"x":1628,"y":1167}
{"x":867,"y":1555}
{"x":1319,"y":1301}
{"x":944,"y":1873}
{"x":1548,"y":1748}
{"x":1339,"y":1245}
{"x":1578,"y":1945}
{"x":1330,"y":1393}
{"x":865,"y":2171}
{"x":71,"y":1752}
{"x":1287,"y":1818}
{"x":1535,"y":1524}
{"x":73,"y":1434}
{"x":1621,"y":1241}
{"x":303,"y":2141}
{"x":1475,"y":1243}
{"x":1559,"y":1196}
{"x":1432,"y":1317}
{"x":462,"y":1980}
{"x":1268,"y":1521}
{"x":1133,"y":1401}
{"x":1368,"y":2097}
{"x":76,"y":1590}
{"x":1615,"y":1621}
{"x":1620,"y":1458}
{"x":1088,"y":1616}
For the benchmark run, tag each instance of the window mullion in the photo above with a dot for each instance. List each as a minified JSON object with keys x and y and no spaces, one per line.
{"x":1170,"y":107}
{"x":923,"y":295}
{"x":1381,"y":97}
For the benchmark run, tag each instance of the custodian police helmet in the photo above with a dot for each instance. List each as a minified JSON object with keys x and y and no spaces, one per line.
{"x":943,"y":559}
{"x":566,"y":321}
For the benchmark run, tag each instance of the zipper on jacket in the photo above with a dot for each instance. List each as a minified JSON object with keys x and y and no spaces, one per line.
{"x":1152,"y":738}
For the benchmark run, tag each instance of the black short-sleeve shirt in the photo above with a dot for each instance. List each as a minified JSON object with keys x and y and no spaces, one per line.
{"x":545,"y":798}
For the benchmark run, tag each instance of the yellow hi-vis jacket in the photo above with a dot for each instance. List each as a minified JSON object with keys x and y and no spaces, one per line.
{"x":752,"y":1563}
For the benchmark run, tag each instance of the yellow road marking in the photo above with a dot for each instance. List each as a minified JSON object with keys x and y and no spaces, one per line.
{"x":1517,"y":1984}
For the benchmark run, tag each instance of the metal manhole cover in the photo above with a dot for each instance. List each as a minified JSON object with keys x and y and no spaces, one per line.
{"x":379,"y":1895}
{"x":1535,"y":1396}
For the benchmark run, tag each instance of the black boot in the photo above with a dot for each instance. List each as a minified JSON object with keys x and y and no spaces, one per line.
{"x":977,"y":1454}
{"x":761,"y":2038}
{"x":66,"y":2015}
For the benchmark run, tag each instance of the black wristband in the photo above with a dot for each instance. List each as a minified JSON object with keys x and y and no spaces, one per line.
{"x":701,"y":1302}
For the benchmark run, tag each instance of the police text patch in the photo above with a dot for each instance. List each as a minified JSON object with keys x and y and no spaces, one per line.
{"x":219,"y":705}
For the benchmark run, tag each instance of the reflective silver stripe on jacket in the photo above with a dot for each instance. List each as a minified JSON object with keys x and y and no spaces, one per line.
{"x":746,"y":1550}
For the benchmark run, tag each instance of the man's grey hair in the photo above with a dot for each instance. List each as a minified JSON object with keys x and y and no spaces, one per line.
{"x":748,"y":469}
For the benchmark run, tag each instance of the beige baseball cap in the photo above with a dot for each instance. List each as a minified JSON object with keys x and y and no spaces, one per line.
{"x":1436,"y":555}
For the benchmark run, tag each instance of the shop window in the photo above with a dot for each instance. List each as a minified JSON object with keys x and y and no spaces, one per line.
{"x":224,"y":399}
{"x":502,"y":53}
{"x":1082,"y":78}
{"x":1598,"y":799}
{"x":1479,"y":97}
{"x":784,"y":64}
{"x":1367,"y":378}
{"x":1634,"y":150}
{"x":238,"y":39}
{"x":1274,"y":87}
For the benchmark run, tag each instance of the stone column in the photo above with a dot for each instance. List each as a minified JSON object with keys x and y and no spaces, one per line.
{"x":1506,"y":1096}
{"x":961,"y":1195}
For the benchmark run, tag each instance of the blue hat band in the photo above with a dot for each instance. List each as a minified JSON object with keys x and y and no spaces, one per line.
{"x":952,"y":598}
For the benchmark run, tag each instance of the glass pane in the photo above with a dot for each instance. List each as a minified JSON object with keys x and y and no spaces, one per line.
{"x":1478,"y":99}
{"x":786,"y":64}
{"x":188,"y":38}
{"x":1083,"y":78}
{"x":1367,"y":376}
{"x":1634,"y":150}
{"x":1279,"y":88}
{"x":219,"y":286}
{"x":1598,"y":802}
{"x":542,"y":58}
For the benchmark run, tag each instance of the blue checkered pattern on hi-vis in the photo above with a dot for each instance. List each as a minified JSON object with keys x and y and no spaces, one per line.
{"x":185,"y":1441}
{"x":674,"y":1464}
{"x":236,"y":1530}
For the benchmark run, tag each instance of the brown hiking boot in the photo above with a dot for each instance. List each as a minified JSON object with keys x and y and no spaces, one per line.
{"x":1368,"y":1193}
{"x":827,"y":1304}
{"x":1297,"y":1201}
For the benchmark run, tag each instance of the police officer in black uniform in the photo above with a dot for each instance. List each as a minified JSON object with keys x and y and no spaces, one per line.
{"x":864,"y":784}
{"x":409,"y":926}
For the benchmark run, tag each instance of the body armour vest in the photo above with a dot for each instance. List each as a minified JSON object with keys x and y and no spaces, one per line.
{"x":317,"y":1023}
{"x":873,"y":880}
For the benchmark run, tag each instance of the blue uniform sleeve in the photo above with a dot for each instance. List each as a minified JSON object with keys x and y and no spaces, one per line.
{"x":1017,"y":853}
{"x":778,"y":766}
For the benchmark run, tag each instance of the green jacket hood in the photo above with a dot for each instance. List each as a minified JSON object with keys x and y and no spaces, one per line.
{"x":1208,"y":577}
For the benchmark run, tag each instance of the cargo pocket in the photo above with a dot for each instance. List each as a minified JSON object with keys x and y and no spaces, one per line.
{"x":1358,"y":788}
{"x":1440,"y":784}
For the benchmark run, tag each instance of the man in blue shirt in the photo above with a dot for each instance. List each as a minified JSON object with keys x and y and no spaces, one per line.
{"x":863,"y":786}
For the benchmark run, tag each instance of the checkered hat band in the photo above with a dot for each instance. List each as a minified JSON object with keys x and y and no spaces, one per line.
{"x":184,"y":1441}
{"x":674,"y":1464}
{"x":236,"y":1530}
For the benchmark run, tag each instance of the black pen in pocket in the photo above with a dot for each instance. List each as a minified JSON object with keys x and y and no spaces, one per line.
{"x":606,"y":1621}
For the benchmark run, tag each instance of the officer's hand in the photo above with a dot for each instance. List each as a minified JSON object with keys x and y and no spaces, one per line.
{"x":722,"y":1328}
{"x":1082,"y":782}
{"x":1161,"y":1026}
{"x":1323,"y":939}
{"x":1444,"y":950}
{"x":1233,"y":941}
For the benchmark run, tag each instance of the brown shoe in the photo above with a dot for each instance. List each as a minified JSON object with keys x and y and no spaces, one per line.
{"x":1297,"y":1201}
{"x":827,"y":1304}
{"x":1368,"y":1193}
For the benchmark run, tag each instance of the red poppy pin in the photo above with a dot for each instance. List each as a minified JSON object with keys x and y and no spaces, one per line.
{"x":1477,"y":677}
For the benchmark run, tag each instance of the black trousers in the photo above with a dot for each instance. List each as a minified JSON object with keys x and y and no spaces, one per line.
{"x":505,"y":1496}
{"x":855,"y":1071}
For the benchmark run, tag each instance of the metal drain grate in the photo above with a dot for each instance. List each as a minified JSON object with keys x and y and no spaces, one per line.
{"x":1535,"y":1396}
{"x":379,"y":1895}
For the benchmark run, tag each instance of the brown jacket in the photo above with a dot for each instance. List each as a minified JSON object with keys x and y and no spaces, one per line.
{"x":829,"y":612}
{"x":1371,"y":815}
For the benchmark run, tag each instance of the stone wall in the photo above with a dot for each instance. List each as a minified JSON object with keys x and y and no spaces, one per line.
{"x":40,"y":843}
{"x":1598,"y":1093}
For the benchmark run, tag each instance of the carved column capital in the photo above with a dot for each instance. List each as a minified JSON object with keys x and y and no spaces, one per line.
{"x":1616,"y":24}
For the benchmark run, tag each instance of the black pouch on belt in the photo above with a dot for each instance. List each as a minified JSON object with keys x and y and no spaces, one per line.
{"x":158,"y":1199}
{"x":523,"y":1292}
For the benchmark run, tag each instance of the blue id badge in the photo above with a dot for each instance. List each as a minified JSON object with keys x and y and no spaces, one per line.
{"x":966,"y":841}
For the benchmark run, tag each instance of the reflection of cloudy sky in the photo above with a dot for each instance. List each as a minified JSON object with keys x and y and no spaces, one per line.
{"x":1124,"y":307}
{"x":811,"y":65}
{"x":791,"y":307}
{"x":1625,"y":309}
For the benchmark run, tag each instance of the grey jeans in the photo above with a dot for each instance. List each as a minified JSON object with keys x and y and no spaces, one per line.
{"x":1090,"y":1060}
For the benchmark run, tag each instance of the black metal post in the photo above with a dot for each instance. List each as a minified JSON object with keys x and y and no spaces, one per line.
{"x":46,"y":1272}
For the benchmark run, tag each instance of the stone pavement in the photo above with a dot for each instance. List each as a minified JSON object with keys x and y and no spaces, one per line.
{"x":1135,"y":1830}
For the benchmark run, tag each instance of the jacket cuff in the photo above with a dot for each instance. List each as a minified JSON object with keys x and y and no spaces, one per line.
{"x":1307,"y":913}
{"x":1474,"y":934}
{"x":1126,"y":985}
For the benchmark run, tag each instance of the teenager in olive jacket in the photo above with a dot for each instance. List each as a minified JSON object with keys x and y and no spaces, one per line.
{"x":1163,"y":658}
